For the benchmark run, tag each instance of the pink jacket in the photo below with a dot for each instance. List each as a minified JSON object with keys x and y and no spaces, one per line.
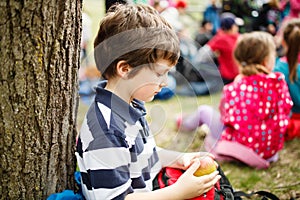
{"x":255,"y":111}
{"x":294,"y":7}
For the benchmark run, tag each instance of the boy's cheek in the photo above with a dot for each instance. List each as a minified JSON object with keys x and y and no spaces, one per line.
{"x":146,"y":93}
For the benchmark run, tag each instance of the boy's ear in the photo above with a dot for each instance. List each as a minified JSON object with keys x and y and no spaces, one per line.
{"x":123,"y":68}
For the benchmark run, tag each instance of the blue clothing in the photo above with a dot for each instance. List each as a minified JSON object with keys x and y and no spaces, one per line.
{"x":69,"y":194}
{"x":65,"y":195}
{"x":116,"y":152}
{"x":211,"y":14}
{"x":294,"y":88}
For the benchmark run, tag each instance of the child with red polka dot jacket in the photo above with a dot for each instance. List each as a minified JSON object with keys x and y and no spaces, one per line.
{"x":254,"y":109}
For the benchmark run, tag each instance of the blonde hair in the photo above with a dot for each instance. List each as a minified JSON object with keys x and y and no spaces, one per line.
{"x":291,"y":36}
{"x":251,"y":51}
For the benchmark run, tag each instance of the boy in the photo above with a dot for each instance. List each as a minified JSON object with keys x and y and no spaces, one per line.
{"x":134,"y":50}
{"x":223,"y":43}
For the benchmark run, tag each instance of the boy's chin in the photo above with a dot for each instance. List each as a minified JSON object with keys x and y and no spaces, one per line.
{"x":149,"y":99}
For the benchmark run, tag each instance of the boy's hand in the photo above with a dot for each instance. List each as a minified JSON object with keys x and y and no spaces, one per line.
{"x":185,"y":161}
{"x":191,"y":186}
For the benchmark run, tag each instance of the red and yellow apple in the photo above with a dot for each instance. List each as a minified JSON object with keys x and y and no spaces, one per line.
{"x":207,"y":166}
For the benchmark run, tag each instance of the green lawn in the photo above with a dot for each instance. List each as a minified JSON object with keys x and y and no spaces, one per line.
{"x":282,"y":178}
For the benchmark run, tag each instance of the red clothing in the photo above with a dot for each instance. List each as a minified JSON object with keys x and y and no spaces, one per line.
{"x":225,"y":43}
{"x":255,"y":111}
{"x":293,"y":130}
{"x":294,"y":8}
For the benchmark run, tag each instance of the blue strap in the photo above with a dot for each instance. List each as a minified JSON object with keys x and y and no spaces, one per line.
{"x":65,"y":195}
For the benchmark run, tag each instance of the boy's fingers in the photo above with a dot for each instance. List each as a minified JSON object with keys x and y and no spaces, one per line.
{"x":212,"y":156}
{"x":214,"y":181}
{"x":204,"y":154}
{"x":186,"y":161}
{"x":210,"y":182}
{"x":193,"y":167}
{"x":213,"y":177}
{"x":217,"y":165}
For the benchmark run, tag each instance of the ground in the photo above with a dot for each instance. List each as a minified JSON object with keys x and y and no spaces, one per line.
{"x":281,"y":178}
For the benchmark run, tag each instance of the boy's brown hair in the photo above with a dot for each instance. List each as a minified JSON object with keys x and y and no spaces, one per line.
{"x":136,"y":34}
{"x":252,"y":49}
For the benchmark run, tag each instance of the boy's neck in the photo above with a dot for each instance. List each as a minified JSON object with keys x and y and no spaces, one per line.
{"x":117,"y":88}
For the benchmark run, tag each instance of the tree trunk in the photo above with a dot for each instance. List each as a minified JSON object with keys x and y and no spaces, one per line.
{"x":40,"y":46}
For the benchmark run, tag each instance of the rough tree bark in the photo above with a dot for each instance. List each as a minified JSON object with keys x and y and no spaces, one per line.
{"x":40,"y":46}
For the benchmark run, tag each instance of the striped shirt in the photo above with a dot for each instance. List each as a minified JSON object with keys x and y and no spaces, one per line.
{"x":116,"y":152}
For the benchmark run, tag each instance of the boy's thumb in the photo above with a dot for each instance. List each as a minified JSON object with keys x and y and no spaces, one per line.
{"x":192,"y":169}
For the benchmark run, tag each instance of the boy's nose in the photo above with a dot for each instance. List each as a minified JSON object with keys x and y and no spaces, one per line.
{"x":164,"y":82}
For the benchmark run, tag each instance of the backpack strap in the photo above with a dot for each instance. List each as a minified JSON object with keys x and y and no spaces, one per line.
{"x":264,"y":194}
{"x":226,"y":189}
{"x":228,"y":193}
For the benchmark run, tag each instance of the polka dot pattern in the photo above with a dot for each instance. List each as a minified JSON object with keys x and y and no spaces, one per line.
{"x":255,"y":111}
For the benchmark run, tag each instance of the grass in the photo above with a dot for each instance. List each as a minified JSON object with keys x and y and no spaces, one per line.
{"x":281,"y":178}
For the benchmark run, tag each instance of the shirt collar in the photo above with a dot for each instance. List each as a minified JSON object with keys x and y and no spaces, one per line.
{"x":118,"y":106}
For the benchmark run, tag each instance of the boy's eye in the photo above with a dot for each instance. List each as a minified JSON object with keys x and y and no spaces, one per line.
{"x":161,"y":74}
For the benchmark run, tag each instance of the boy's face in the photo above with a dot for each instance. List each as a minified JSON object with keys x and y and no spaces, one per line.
{"x":148,"y":82}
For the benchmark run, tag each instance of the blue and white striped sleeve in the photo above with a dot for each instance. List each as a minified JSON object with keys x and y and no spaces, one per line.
{"x":103,"y":158}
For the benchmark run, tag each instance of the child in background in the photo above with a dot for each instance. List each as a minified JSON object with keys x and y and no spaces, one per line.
{"x":289,"y":65}
{"x":135,"y":49}
{"x":223,"y":43}
{"x":254,"y":109}
{"x":204,"y":34}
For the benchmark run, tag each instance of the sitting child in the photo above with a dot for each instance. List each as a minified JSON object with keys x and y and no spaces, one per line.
{"x":289,"y":65}
{"x":254,"y":109}
{"x":135,"y":49}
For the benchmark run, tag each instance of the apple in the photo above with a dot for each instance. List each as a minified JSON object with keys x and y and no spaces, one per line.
{"x":207,"y":166}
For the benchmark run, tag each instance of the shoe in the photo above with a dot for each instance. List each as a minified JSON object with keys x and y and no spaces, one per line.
{"x":180,"y":127}
{"x":178,"y":122}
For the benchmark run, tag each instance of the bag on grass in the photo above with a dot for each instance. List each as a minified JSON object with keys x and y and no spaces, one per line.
{"x":168,"y":176}
{"x":222,"y":190}
{"x":293,"y":130}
